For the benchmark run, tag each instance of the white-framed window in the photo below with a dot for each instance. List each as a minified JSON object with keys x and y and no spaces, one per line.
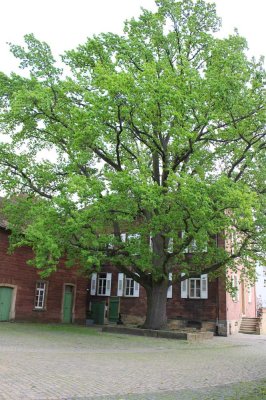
{"x":249,"y":294}
{"x":134,"y":239}
{"x":233,"y":240}
{"x":235,"y":286}
{"x":127,"y":286}
{"x":195,"y":288}
{"x":193,"y":245}
{"x":101,"y":284}
{"x":40,"y":295}
{"x":104,"y":284}
{"x":170,"y":247}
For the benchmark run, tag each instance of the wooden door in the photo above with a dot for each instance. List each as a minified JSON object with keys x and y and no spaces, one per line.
{"x":98,"y":311}
{"x":5,"y":302}
{"x":114,"y":309}
{"x":68,"y":304}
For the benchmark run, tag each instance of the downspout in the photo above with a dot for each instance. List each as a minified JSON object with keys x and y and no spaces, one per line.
{"x":217,"y":310}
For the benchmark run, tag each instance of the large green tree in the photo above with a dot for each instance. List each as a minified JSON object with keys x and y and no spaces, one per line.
{"x":157,"y":133}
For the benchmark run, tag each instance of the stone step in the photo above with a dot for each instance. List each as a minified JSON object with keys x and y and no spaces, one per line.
{"x":248,"y":325}
{"x":251,"y":328}
{"x":249,"y":319}
{"x":249,"y":322}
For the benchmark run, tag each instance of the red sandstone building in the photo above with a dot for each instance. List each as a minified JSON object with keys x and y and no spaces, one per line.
{"x":195,"y":302}
{"x":24,"y":296}
{"x":63,"y":296}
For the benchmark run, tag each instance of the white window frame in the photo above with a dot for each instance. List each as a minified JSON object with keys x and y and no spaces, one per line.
{"x":249,"y":294}
{"x":192,"y":247}
{"x":123,"y":286}
{"x":107,"y":288}
{"x":40,"y":295}
{"x":129,"y":287}
{"x":134,"y":237}
{"x":235,"y":284}
{"x":129,"y":284}
{"x":194,"y":296}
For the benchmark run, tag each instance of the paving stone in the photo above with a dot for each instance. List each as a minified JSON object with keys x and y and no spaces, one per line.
{"x":49,"y":363}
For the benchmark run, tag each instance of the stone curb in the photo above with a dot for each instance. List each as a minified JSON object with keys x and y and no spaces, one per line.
{"x":189,"y":336}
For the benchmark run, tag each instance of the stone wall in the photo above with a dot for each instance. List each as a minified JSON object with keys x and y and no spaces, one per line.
{"x":262,"y":326}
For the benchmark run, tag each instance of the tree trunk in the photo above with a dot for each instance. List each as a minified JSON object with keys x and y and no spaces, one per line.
{"x":156,"y":306}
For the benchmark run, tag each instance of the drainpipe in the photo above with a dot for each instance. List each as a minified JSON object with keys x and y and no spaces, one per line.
{"x":217,"y":309}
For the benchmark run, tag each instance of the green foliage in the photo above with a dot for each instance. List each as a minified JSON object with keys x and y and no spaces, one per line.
{"x":155,"y":132}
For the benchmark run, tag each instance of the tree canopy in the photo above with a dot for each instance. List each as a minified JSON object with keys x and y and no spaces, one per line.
{"x":157,"y":133}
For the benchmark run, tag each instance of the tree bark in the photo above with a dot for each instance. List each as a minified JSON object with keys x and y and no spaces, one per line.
{"x":156,"y":317}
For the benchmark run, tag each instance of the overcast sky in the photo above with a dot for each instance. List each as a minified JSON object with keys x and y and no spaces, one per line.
{"x":64,"y":24}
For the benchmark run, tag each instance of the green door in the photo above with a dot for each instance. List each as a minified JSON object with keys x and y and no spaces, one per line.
{"x":113,"y":309}
{"x":5,"y":303}
{"x":68,"y":304}
{"x":98,"y":312}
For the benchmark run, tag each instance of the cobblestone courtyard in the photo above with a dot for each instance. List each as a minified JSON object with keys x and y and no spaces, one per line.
{"x":63,"y":362}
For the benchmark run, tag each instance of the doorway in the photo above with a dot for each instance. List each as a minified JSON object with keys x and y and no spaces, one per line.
{"x":114,"y":306}
{"x":5,"y":302}
{"x":68,"y":304}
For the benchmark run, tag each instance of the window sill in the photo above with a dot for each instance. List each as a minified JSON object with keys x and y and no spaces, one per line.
{"x":196,"y":298}
{"x":39,"y":309}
